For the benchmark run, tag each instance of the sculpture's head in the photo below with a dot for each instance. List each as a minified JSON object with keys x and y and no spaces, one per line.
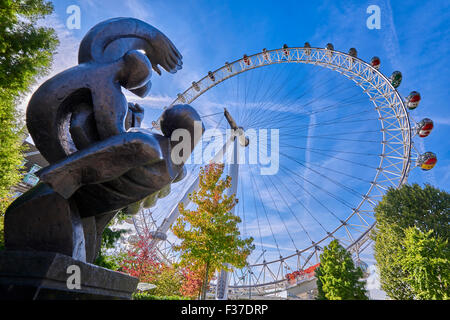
{"x":140,"y":46}
{"x":135,"y":73}
{"x":182,"y":116}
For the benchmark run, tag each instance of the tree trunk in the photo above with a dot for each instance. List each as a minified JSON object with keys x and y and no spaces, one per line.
{"x":205,"y":282}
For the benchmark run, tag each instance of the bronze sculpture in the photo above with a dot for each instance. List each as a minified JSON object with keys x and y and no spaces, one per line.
{"x":100,"y":159}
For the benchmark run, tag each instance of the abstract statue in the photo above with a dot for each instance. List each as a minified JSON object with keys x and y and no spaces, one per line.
{"x":100,"y":159}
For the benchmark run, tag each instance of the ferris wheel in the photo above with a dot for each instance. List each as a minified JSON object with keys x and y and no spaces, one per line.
{"x":325,"y":150}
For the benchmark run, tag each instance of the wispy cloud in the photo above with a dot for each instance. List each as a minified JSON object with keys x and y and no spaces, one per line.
{"x":139,"y":10}
{"x":66,"y":54}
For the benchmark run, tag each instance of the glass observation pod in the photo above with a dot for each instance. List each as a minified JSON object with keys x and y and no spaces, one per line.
{"x":246,"y":60}
{"x":375,"y":62}
{"x":427,"y":161}
{"x":352,"y":52}
{"x":229,"y":67}
{"x":308,"y":48}
{"x":181,"y":98}
{"x":195,"y":86}
{"x":412,"y":101}
{"x":285,"y":50}
{"x":396,"y":79}
{"x":330,"y":49}
{"x":211,"y":76}
{"x":424,"y":127}
{"x":266,"y":55}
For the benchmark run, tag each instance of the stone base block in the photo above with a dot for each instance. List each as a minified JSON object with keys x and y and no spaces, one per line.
{"x":36,"y":275}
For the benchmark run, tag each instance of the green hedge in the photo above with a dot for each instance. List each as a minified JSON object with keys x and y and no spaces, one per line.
{"x":147,"y":296}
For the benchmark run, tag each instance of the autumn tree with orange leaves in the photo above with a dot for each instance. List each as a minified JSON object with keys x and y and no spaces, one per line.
{"x":210,"y":237}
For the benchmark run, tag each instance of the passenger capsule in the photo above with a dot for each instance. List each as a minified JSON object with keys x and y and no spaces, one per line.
{"x":285,"y":50}
{"x":307,"y":47}
{"x":330,"y":49}
{"x":181,"y":98}
{"x":195,"y":86}
{"x":427,"y":161}
{"x":211,"y":76}
{"x":396,"y":79}
{"x":229,"y":68}
{"x":375,"y":62}
{"x":412,"y":101}
{"x":243,"y":140}
{"x":424,"y":127}
{"x":266,"y":55}
{"x":352,"y":52}
{"x":158,"y":235}
{"x":246,"y":60}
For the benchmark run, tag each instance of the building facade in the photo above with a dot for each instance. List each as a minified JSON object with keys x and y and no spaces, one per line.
{"x":33,"y":162}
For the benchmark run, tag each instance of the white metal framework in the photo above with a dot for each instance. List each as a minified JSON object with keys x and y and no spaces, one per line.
{"x":396,"y":159}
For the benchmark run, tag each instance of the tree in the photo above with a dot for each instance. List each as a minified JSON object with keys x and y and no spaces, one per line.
{"x":426,"y":263}
{"x":192,"y":282}
{"x":25,"y":54}
{"x":2,"y":235}
{"x":168,"y":281}
{"x":110,"y":237}
{"x":409,"y":206}
{"x":141,"y":261}
{"x":209,"y":235}
{"x":337,"y":276}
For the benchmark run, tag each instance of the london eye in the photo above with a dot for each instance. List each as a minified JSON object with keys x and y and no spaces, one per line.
{"x":329,"y":134}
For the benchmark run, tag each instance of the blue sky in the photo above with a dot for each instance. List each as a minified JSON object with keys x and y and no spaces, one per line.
{"x":414,"y":38}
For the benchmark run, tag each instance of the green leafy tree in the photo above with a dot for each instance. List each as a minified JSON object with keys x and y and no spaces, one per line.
{"x":168,"y":282}
{"x":337,"y":276}
{"x":110,"y":237}
{"x":2,"y":235}
{"x":209,"y":235}
{"x":409,"y":206}
{"x":25,"y":54}
{"x":142,"y":262}
{"x":192,"y":281}
{"x":149,"y":296}
{"x":426,"y":262}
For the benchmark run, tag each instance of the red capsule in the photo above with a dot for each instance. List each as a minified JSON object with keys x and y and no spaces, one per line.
{"x":375,"y":62}
{"x":413,"y":100}
{"x":246,"y":60}
{"x":427,"y":161}
{"x":424,"y":127}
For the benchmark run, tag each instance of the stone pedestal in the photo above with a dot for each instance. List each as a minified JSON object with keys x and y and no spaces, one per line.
{"x":34,"y":275}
